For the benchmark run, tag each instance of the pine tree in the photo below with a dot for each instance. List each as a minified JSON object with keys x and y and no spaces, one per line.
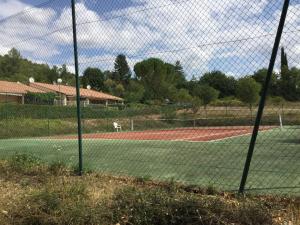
{"x":122,"y":72}
{"x":284,"y":60}
{"x":180,"y":76}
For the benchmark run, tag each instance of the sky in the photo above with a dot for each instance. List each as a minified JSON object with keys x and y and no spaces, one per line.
{"x":234,"y":36}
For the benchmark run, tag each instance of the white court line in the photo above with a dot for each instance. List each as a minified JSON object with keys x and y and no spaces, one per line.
{"x":208,"y":135}
{"x":222,"y":139}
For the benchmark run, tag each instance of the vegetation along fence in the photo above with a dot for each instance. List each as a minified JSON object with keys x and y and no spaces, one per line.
{"x":203,"y":93}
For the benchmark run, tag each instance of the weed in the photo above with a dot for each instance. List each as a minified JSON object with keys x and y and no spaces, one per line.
{"x":24,"y":163}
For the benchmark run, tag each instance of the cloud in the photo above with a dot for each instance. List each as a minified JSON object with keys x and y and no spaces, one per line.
{"x":11,"y":7}
{"x":231,"y":35}
{"x":20,"y":31}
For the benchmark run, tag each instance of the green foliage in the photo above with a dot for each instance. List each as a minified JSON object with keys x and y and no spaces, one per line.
{"x":119,"y":90}
{"x":135,"y":92}
{"x":248,"y":91}
{"x":180,"y":75}
{"x":40,"y":98}
{"x":168,"y":114}
{"x":260,"y":77}
{"x":196,"y":104}
{"x":158,"y":78}
{"x":15,"y":68}
{"x":154,"y":81}
{"x":219,"y":81}
{"x":122,"y":73}
{"x":228,"y":102}
{"x":93,"y":77}
{"x":182,"y":96}
{"x":290,"y":83}
{"x":15,"y":111}
{"x":276,"y":100}
{"x":23,"y":162}
{"x":284,"y":60}
{"x":206,"y":94}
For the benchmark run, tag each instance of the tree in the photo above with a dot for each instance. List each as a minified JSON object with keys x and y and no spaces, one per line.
{"x":65,"y":75}
{"x":195,"y":105}
{"x":93,"y":77}
{"x":290,"y":84}
{"x":206,"y":94}
{"x":52,"y":74}
{"x":158,"y":78}
{"x":152,"y":74}
{"x":180,"y":76}
{"x":119,"y":90}
{"x":135,"y":92}
{"x":10,"y":65}
{"x":284,"y":60}
{"x":248,"y":91}
{"x":122,"y":71}
{"x":289,"y":80}
{"x":260,"y":77}
{"x":182,"y":96}
{"x":219,"y":81}
{"x":109,"y":85}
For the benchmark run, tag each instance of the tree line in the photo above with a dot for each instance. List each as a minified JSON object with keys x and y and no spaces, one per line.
{"x":155,"y":81}
{"x":13,"y":67}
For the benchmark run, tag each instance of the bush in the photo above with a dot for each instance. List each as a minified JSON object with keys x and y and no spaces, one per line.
{"x":276,"y":101}
{"x":23,"y":162}
{"x":11,"y":111}
{"x":54,"y":205}
{"x":40,"y":98}
{"x":228,"y":102}
{"x":161,"y":207}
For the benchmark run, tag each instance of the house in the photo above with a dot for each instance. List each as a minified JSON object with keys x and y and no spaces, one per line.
{"x":14,"y":92}
{"x":67,"y":94}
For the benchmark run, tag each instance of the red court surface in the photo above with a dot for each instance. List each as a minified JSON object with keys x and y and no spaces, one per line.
{"x":180,"y":134}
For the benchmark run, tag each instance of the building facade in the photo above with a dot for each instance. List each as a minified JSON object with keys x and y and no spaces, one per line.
{"x":66,"y":95}
{"x":14,"y":92}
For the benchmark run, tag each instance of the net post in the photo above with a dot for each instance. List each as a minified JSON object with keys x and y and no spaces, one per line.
{"x":280,"y":122}
{"x":263,"y":96}
{"x":80,"y":167}
{"x":131,"y":124}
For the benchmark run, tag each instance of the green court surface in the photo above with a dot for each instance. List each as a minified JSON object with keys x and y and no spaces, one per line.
{"x":275,"y":166}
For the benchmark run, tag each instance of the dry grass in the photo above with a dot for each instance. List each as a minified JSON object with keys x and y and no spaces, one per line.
{"x":32,"y":193}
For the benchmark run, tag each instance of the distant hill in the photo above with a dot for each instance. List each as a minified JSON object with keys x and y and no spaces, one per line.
{"x":13,"y":67}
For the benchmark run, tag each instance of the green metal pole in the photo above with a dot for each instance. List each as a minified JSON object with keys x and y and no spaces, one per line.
{"x":80,"y":169}
{"x":263,"y":96}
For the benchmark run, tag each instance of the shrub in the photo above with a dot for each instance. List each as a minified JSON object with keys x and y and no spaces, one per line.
{"x":23,"y":162}
{"x":40,"y":98}
{"x":161,"y":207}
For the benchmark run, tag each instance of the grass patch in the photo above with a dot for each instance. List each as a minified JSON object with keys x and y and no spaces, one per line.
{"x":100,"y":199}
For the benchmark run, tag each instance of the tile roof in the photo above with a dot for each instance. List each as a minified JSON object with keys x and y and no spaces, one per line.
{"x":17,"y":88}
{"x":71,"y":91}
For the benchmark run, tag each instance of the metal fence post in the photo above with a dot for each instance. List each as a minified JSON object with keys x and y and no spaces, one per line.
{"x":263,"y":96}
{"x":80,"y":169}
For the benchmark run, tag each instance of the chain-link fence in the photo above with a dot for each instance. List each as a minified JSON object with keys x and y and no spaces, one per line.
{"x":170,"y":90}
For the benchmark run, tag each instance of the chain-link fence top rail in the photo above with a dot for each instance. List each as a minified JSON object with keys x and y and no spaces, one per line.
{"x":204,"y":61}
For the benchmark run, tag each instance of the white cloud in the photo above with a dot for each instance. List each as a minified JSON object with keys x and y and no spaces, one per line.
{"x":11,"y":7}
{"x":201,"y":34}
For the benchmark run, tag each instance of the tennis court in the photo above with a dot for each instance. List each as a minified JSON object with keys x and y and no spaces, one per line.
{"x":215,"y":159}
{"x":178,"y":134}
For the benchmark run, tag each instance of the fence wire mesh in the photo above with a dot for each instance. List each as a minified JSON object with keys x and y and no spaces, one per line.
{"x":169,"y":89}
